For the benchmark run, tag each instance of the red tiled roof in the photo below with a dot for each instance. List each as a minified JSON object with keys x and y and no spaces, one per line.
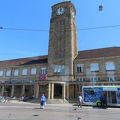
{"x":102,"y":52}
{"x":95,"y":53}
{"x":24,"y":61}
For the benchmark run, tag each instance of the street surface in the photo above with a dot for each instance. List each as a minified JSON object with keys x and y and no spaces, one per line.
{"x":30,"y":111}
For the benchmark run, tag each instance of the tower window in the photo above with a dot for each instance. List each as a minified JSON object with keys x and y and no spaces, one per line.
{"x":62,"y":22}
{"x":59,"y":69}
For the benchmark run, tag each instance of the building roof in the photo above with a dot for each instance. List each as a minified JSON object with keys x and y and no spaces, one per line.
{"x":96,"y":53}
{"x":25,"y":61}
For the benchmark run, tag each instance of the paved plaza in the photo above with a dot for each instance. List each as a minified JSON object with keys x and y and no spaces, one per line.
{"x":28,"y":111}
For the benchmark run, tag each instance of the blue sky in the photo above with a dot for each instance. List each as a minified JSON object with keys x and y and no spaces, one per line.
{"x":35,"y":14}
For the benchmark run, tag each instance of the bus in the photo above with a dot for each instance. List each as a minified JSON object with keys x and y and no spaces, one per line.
{"x":92,"y":94}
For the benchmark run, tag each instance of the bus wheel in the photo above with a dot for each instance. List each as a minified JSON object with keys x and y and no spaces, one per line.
{"x":98,"y":104}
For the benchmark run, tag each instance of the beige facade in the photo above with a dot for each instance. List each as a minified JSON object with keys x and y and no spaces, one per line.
{"x":62,"y":73}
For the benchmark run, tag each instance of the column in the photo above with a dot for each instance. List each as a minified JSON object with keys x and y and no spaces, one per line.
{"x":3,"y":88}
{"x":63,"y":92}
{"x":37,"y":90}
{"x":76,"y":91}
{"x":12,"y":91}
{"x":67,"y":91}
{"x":23,"y":90}
{"x":52,"y":91}
{"x":49,"y":90}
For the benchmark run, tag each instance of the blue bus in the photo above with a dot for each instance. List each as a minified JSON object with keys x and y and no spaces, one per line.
{"x":92,"y":94}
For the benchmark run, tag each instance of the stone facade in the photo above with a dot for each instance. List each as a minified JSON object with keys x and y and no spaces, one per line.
{"x":62,"y":42}
{"x":62,"y":73}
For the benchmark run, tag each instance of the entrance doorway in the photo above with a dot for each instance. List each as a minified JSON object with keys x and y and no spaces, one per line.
{"x":7,"y":91}
{"x":57,"y":91}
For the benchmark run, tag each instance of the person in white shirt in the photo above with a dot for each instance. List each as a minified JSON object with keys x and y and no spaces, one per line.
{"x":80,"y":100}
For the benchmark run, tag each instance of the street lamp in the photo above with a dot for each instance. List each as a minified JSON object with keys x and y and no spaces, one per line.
{"x":1,"y":27}
{"x":100,"y":7}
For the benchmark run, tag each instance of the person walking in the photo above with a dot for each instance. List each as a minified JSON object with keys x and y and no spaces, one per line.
{"x":80,"y":100}
{"x":42,"y":101}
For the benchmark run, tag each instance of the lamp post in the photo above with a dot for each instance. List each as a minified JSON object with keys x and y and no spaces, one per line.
{"x":1,"y":27}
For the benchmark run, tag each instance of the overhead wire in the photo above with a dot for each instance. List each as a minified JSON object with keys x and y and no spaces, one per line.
{"x":46,"y":30}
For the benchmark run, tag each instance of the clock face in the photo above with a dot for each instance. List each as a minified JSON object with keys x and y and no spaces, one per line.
{"x":60,"y":10}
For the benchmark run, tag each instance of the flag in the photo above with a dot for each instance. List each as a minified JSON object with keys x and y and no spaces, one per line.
{"x":43,"y":77}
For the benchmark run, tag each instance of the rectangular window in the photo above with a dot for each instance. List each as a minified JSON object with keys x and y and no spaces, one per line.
{"x":43,"y":71}
{"x":16,"y":72}
{"x":94,"y":67}
{"x":80,"y":79}
{"x":80,"y":68}
{"x":1,"y":73}
{"x":110,"y":66}
{"x":94,"y":79}
{"x":59,"y":69}
{"x":111,"y":78}
{"x":8,"y":73}
{"x":33,"y":71}
{"x":62,"y":69}
{"x":55,"y":68}
{"x":24,"y":72}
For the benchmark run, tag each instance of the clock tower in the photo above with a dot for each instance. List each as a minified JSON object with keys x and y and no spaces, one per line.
{"x":62,"y":42}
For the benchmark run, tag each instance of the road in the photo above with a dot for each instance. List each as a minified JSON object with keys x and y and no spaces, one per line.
{"x":27,"y":111}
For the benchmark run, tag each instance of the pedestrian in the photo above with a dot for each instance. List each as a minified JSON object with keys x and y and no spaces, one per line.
{"x":80,"y":100}
{"x":103,"y":100}
{"x":42,"y":101}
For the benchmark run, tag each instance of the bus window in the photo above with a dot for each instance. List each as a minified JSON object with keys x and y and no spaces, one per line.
{"x":90,"y":92}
